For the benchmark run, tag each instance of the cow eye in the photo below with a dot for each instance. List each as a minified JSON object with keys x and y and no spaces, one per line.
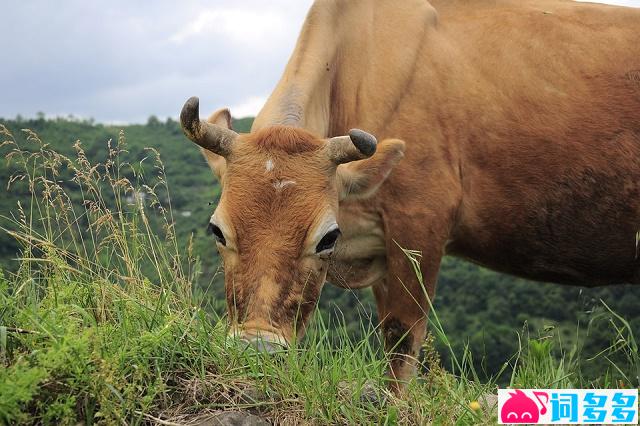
{"x":217,"y":233}
{"x":328,"y":242}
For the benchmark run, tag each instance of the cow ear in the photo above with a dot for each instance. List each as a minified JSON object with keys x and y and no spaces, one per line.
{"x":361,"y":179}
{"x":218,"y":164}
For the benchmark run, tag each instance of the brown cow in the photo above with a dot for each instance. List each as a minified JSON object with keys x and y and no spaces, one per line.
{"x":522,"y":128}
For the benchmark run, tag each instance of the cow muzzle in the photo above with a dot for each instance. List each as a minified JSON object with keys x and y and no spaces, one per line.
{"x":264,"y":341}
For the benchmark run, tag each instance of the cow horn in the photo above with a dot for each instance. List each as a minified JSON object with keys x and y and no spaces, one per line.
{"x":357,"y":146}
{"x":216,"y":139}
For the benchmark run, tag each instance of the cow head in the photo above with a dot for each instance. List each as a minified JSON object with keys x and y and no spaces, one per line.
{"x":276,"y":224}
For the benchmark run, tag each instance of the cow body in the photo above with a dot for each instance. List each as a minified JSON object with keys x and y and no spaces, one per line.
{"x":549,"y":160}
{"x":522,"y":129}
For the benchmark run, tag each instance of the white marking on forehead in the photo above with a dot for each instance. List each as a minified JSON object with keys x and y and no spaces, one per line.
{"x":281,"y":184}
{"x":268,"y":165}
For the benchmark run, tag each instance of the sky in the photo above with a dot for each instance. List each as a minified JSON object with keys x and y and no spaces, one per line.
{"x":120,"y":61}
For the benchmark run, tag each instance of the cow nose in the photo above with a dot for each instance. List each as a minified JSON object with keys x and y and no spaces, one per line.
{"x":263,"y":345}
{"x":263,"y":342}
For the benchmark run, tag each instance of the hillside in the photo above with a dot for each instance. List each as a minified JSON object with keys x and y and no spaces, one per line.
{"x":484,"y":315}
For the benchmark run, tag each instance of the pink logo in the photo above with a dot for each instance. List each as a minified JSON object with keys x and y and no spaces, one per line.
{"x":519,"y":408}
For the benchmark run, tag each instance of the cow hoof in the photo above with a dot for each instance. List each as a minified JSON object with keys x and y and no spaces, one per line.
{"x":369,"y":393}
{"x":373,"y":395}
{"x":234,"y":418}
{"x":251,"y":395}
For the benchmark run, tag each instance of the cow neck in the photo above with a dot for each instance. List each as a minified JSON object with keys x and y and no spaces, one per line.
{"x":302,"y":96}
{"x":338,"y":78}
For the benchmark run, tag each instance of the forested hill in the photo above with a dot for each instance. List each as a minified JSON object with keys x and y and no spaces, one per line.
{"x":477,"y":307}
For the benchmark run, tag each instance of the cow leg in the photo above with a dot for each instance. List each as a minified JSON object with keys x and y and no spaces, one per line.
{"x":403,"y":308}
{"x":421,"y":222}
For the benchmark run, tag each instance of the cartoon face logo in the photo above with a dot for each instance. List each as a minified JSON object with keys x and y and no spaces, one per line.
{"x":519,"y":408}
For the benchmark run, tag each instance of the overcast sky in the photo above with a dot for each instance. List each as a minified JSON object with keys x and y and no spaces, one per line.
{"x":121,"y":61}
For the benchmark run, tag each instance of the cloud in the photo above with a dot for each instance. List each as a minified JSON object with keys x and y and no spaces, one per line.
{"x":249,"y":28}
{"x":629,"y":3}
{"x":248,"y":107}
{"x":121,"y":61}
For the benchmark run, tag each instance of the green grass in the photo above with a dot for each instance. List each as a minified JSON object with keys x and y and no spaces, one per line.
{"x":100,"y":323}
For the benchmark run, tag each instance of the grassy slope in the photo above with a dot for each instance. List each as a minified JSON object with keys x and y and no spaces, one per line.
{"x":101,"y":322}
